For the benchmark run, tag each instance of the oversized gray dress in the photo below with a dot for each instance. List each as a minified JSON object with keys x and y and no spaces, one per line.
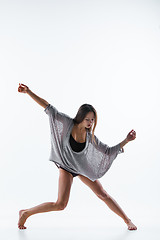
{"x":92,"y":162}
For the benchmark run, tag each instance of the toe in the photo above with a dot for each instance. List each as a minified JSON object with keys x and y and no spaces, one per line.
{"x":132,"y":228}
{"x":22,"y":227}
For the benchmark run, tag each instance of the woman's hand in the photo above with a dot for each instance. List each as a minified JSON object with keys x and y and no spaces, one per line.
{"x":131,"y":136}
{"x":23,"y":88}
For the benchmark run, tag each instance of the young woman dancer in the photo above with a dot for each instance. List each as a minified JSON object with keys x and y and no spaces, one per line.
{"x":76,"y":151}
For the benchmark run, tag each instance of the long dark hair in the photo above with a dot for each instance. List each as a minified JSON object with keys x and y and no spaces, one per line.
{"x":82,"y":112}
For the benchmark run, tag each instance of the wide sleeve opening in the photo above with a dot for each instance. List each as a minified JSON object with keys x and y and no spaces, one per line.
{"x":45,"y":110}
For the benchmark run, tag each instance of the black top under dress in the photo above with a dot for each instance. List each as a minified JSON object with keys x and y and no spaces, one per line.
{"x":76,"y":147}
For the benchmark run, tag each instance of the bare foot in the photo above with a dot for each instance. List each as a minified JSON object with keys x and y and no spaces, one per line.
{"x":130,"y":225}
{"x":22,"y":218}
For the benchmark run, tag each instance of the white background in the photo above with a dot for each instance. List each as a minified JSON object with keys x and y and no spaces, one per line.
{"x":105,"y":53}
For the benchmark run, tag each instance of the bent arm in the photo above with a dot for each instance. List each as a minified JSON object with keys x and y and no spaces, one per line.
{"x":39,"y":100}
{"x":130,"y":137}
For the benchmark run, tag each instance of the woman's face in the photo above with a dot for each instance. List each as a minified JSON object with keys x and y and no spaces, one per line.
{"x":88,"y":120}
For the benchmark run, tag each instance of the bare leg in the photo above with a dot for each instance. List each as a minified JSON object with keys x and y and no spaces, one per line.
{"x":97,"y":188}
{"x":65,"y":182}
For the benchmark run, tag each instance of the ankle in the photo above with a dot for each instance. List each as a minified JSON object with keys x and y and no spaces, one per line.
{"x":127,"y":220}
{"x":26,"y":213}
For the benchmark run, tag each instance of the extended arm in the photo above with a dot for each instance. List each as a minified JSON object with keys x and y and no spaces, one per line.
{"x":131,"y":136}
{"x":24,"y":89}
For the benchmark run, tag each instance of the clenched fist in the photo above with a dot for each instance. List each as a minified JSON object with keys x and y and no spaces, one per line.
{"x":23,"y":88}
{"x":131,"y":136}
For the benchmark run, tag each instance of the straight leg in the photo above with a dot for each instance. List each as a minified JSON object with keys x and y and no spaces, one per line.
{"x":97,"y":188}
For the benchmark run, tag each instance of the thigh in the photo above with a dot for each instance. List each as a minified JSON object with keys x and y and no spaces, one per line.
{"x":73,"y":174}
{"x":64,"y":186}
{"x":95,"y":186}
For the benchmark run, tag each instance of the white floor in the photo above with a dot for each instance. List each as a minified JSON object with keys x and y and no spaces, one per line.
{"x":111,"y":233}
{"x":43,"y":228}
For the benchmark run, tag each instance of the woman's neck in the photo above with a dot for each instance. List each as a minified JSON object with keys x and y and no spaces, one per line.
{"x":79,"y":128}
{"x":79,"y":133}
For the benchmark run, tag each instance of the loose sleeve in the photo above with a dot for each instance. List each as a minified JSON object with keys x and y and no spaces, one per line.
{"x":59,"y":125}
{"x":50,"y":110}
{"x":54,"y":114}
{"x":106,"y":156}
{"x":104,"y":148}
